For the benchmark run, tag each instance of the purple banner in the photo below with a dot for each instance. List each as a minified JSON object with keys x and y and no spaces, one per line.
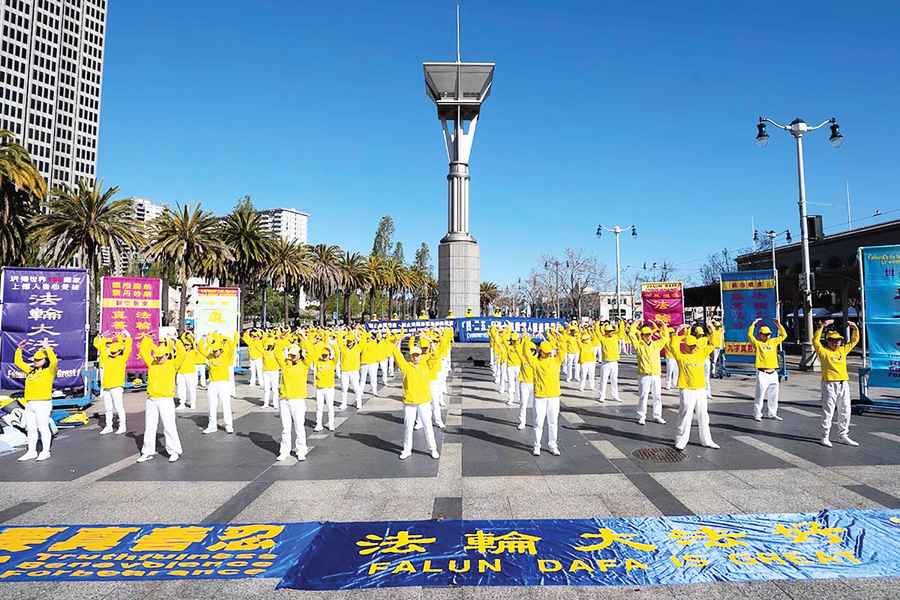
{"x":130,"y":304}
{"x":43,"y":307}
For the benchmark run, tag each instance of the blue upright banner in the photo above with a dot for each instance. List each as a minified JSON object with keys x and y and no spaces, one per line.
{"x":44,"y":307}
{"x":411,"y":327}
{"x":746,"y":296}
{"x":475,"y":329}
{"x":881,"y":281}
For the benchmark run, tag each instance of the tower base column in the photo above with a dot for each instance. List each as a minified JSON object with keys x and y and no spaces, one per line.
{"x":459,"y":276}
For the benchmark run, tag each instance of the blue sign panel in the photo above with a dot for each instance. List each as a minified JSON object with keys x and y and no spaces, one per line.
{"x":746,"y":296}
{"x":881,"y":278}
{"x":475,"y":329}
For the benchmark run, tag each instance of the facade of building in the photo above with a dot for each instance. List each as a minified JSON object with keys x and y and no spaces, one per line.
{"x":51,"y":74}
{"x":144,"y":212}
{"x":287,"y":223}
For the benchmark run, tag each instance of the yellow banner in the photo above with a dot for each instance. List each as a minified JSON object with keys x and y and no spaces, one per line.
{"x":748,"y":284}
{"x":129,"y":303}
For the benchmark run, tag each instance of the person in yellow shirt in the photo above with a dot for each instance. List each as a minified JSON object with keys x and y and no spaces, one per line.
{"x":647,"y":350}
{"x":268,"y":346}
{"x":431,"y":357}
{"x":546,"y":366}
{"x":417,"y":399}
{"x":325,"y":361}
{"x":693,"y":361}
{"x":500,"y":378}
{"x":294,"y":362}
{"x":703,"y":340}
{"x":350,"y":352}
{"x":384,"y":349}
{"x":609,"y":371}
{"x":513,"y":366}
{"x":253,"y":339}
{"x":835,"y":381}
{"x":671,"y":363}
{"x":766,"y":348}
{"x":587,"y":355}
{"x":526,"y":379}
{"x":369,"y":362}
{"x":219,"y":354}
{"x":186,"y":379}
{"x":162,"y":362}
{"x":40,"y":373}
{"x":113,"y":353}
{"x":717,"y":339}
{"x":569,"y":345}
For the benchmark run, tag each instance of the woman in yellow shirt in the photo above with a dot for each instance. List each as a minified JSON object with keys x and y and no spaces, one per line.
{"x":325,"y":361}
{"x":835,"y":381}
{"x":417,"y":375}
{"x":647,"y":350}
{"x":294,"y":363}
{"x":219,"y":353}
{"x":546,"y":367}
{"x":186,"y":379}
{"x":162,"y":363}
{"x":113,"y":353}
{"x":350,"y":353}
{"x":693,"y":360}
{"x":526,"y":379}
{"x":609,"y":370}
{"x":766,"y":363}
{"x":40,"y":373}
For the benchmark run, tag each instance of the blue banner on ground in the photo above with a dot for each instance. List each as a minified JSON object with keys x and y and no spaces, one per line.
{"x":746,"y":296}
{"x":43,"y":307}
{"x":475,"y":329}
{"x":881,"y":278}
{"x":411,"y":327}
{"x":145,"y":552}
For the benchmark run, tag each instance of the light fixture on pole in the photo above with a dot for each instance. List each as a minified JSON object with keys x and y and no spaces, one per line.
{"x":773,"y":235}
{"x":798,"y":128}
{"x":617,"y":230}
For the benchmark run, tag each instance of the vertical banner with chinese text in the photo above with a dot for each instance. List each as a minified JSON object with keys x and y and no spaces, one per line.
{"x":43,"y":307}
{"x":131,"y":304}
{"x":663,"y":300}
{"x":881,"y":281}
{"x":746,"y":296}
{"x":218,"y":309}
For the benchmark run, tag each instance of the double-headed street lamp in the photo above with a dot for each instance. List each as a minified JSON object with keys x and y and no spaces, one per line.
{"x":617,"y":230}
{"x":773,"y":235}
{"x":798,"y":128}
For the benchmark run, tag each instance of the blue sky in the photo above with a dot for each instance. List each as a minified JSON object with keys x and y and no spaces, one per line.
{"x":600,"y":113}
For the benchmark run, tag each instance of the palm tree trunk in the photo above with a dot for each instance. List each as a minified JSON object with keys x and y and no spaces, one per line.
{"x":347,"y":311}
{"x":286,"y":296}
{"x":390,"y":306}
{"x":182,"y":305}
{"x":164,"y":319}
{"x":322,"y":299}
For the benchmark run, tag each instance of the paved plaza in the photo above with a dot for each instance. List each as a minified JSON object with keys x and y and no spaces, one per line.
{"x":486,"y":471}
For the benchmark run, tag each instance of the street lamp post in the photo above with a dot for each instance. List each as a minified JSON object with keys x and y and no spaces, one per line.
{"x":798,"y":128}
{"x":617,"y":230}
{"x":555,"y":264}
{"x":773,"y":235}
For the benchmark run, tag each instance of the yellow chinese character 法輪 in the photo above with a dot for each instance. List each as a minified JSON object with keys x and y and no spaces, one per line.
{"x":20,"y":539}
{"x":802,"y":532}
{"x":247,"y":537}
{"x":402,"y":543}
{"x":94,"y":539}
{"x":513,"y":542}
{"x":608,"y":537}
{"x":709,"y":536}
{"x":170,"y":539}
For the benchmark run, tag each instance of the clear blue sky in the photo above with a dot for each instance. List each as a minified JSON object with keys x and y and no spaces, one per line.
{"x":600,"y":113}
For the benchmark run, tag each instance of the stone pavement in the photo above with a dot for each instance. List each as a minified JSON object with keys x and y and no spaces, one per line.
{"x":485,"y":471}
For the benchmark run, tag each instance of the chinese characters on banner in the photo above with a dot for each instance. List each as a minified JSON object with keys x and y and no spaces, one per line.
{"x":746,"y":296}
{"x":475,"y":329}
{"x":44,"y":307}
{"x":412,"y":327}
{"x":881,"y":280}
{"x":131,"y":304}
{"x":663,"y":300}
{"x":217,"y":310}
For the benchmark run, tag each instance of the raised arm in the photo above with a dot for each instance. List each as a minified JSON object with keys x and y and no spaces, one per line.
{"x":19,"y":361}
{"x":751,"y":331}
{"x":854,"y":337}
{"x":817,"y":337}
{"x":782,"y":333}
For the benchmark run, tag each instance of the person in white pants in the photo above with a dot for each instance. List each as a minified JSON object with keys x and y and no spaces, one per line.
{"x":270,"y":372}
{"x":220,"y":357}
{"x":416,"y":398}
{"x":325,"y":361}
{"x":835,"y":381}
{"x":609,"y":372}
{"x":546,"y":367}
{"x":253,"y":339}
{"x":162,"y":362}
{"x":691,"y":382}
{"x":766,"y":362}
{"x":186,"y":379}
{"x":349,"y":354}
{"x":513,"y":366}
{"x":526,"y":381}
{"x":294,"y":373}
{"x":647,"y":351}
{"x":112,"y":355}
{"x":671,"y":371}
{"x":369,"y":359}
{"x":587,"y":351}
{"x":384,"y":347}
{"x":40,"y":374}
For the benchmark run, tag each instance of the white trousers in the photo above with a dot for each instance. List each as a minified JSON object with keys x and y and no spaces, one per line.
{"x":526,"y":392}
{"x":325,"y":396}
{"x":422,"y":413}
{"x":391,"y":365}
{"x":383,"y":364}
{"x":155,"y":410}
{"x":692,"y":400}
{"x":588,"y":374}
{"x":715,"y":359}
{"x":671,"y":372}
{"x":503,"y":376}
{"x":347,"y":378}
{"x":609,"y":373}
{"x":219,"y":391}
{"x":512,"y":378}
{"x":256,"y":371}
{"x":186,"y":389}
{"x":766,"y":390}
{"x":650,"y":385}
{"x":37,"y":423}
{"x":113,"y":403}
{"x":201,"y":374}
{"x":370,"y":372}
{"x":569,"y":365}
{"x":293,"y":416}
{"x":270,"y":388}
{"x":835,"y":396}
{"x":437,"y":402}
{"x":546,"y":409}
{"x":706,"y":370}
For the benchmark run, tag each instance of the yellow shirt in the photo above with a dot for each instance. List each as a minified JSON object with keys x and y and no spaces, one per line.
{"x":526,"y":373}
{"x":38,"y":382}
{"x":513,"y":358}
{"x":546,"y":375}
{"x":834,"y":362}
{"x":766,"y":351}
{"x":350,"y":357}
{"x":160,"y":376}
{"x":220,"y":366}
{"x":416,"y":379}
{"x":268,"y":347}
{"x":324,"y":372}
{"x":293,"y":378}
{"x":717,"y":337}
{"x":113,"y":366}
{"x":648,"y":353}
{"x":609,"y":346}
{"x":369,"y":351}
{"x":254,"y":349}
{"x":691,"y":366}
{"x":587,"y":351}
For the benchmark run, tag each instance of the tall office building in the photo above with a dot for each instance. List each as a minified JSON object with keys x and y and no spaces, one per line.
{"x":51,"y":71}
{"x":287,"y":223}
{"x":144,"y":212}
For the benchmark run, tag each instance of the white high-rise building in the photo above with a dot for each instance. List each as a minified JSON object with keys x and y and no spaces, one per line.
{"x":51,"y":72}
{"x":287,"y":223}
{"x":144,"y":212}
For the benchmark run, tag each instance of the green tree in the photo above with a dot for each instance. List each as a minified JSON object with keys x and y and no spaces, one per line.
{"x":423,"y":258}
{"x":184,"y":239}
{"x":325,"y":276}
{"x":374,"y":281}
{"x":489,"y":293}
{"x":353,"y":277}
{"x":244,"y":231}
{"x":398,"y":253}
{"x":383,"y":237}
{"x":22,"y":189}
{"x":289,"y":264}
{"x":79,"y":223}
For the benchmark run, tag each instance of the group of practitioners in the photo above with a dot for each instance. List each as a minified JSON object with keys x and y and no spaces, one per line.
{"x":527,"y":371}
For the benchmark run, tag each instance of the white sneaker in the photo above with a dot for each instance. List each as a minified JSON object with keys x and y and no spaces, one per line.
{"x":301,"y":456}
{"x":776,"y":417}
{"x":417,"y":426}
{"x":679,"y":448}
{"x":331,"y":427}
{"x":106,"y":430}
{"x":712,"y":445}
{"x":440,"y":426}
{"x":642,"y":421}
{"x":229,"y":430}
{"x":844,"y":439}
{"x":536,"y":451}
{"x":27,"y":456}
{"x":825,"y":442}
{"x":145,"y":458}
{"x":758,"y":418}
{"x":659,"y":420}
{"x":210,"y":430}
{"x":121,"y":430}
{"x":282,"y":457}
{"x":318,"y":428}
{"x":342,"y":408}
{"x":174,"y":457}
{"x":404,"y":455}
{"x":435,"y":455}
{"x":554,"y":451}
{"x":520,"y":426}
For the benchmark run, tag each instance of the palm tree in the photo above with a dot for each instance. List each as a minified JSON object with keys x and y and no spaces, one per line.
{"x":326,"y":274}
{"x":244,"y":231}
{"x":374,"y":280}
{"x":186,"y":239}
{"x":80,"y":223}
{"x":489,"y":292}
{"x":289,"y":263}
{"x":395,"y":278}
{"x":353,"y":277}
{"x":22,"y":188}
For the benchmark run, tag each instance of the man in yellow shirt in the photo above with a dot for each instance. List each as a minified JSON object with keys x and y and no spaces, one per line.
{"x":587,"y":355}
{"x":693,"y":360}
{"x":835,"y":381}
{"x":766,"y":348}
{"x":186,"y":379}
{"x":350,"y":352}
{"x":112,"y":356}
{"x":219,"y":353}
{"x":369,"y":362}
{"x":40,"y":373}
{"x":717,"y":339}
{"x":270,"y":370}
{"x":513,"y":366}
{"x":609,"y":370}
{"x":294,"y":363}
{"x":417,"y":402}
{"x":647,"y":351}
{"x":162,"y":363}
{"x":325,"y":363}
{"x":546,"y":366}
{"x":526,"y":378}
{"x":253,"y":339}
